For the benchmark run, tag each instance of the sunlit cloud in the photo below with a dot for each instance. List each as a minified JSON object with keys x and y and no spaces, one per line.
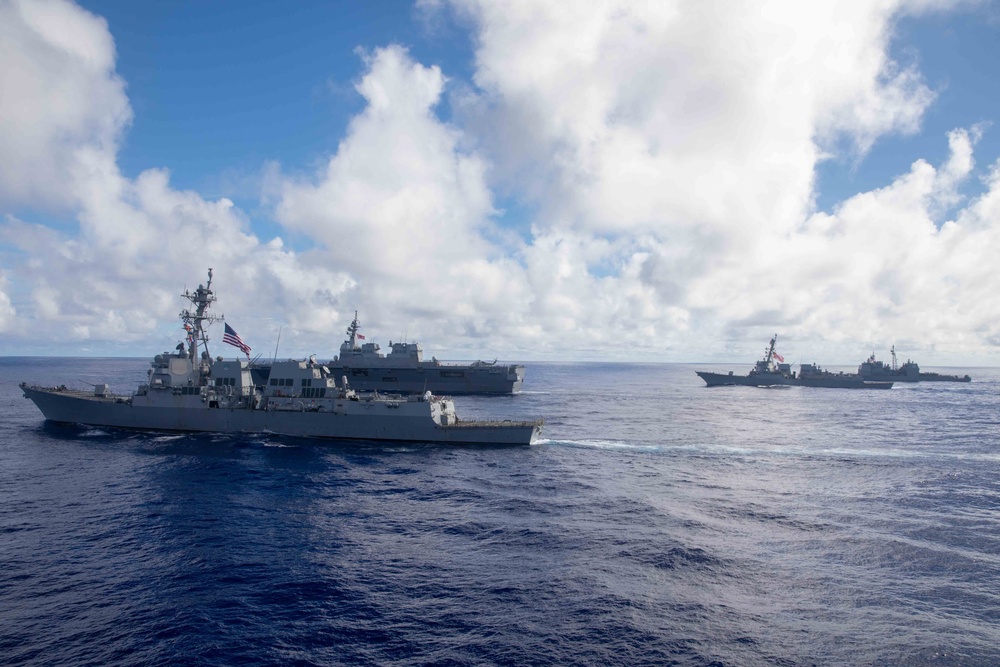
{"x":662,"y":158}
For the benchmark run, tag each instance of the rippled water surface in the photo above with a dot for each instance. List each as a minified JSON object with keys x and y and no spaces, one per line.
{"x":659,"y":522}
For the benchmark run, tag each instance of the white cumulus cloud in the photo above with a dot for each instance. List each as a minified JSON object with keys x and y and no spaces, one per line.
{"x":402,"y":206}
{"x":114,"y":277}
{"x":60,"y":98}
{"x":677,"y":143}
{"x":658,"y":161}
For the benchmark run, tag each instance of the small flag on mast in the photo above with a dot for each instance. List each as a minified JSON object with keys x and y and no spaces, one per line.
{"x":360,"y":337}
{"x":233,"y":338}
{"x":778,"y":357}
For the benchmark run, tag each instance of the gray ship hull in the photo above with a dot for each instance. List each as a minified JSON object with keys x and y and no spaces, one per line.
{"x":840,"y":382}
{"x":918,"y":377}
{"x":751,"y":380}
{"x":938,"y":377}
{"x":444,"y":380}
{"x":447,"y":380}
{"x":190,"y":414}
{"x":776,"y":379}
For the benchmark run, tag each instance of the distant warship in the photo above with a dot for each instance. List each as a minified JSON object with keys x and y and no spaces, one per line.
{"x":186,"y":391}
{"x":811,"y":375}
{"x":908,"y":372}
{"x":772,"y":371}
{"x":404,"y":370}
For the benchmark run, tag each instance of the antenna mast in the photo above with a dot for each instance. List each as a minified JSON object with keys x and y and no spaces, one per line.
{"x":195,"y":323}
{"x":352,"y":331}
{"x":770,"y":349}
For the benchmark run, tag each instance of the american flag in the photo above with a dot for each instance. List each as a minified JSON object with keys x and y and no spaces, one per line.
{"x":233,"y":338}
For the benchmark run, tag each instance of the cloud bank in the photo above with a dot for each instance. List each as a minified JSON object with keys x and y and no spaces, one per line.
{"x":661,"y":159}
{"x":110,"y":280}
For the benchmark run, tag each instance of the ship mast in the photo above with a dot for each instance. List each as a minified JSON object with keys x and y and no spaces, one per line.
{"x":893,"y":350}
{"x":352,"y":331}
{"x":770,"y":350}
{"x":195,"y":323}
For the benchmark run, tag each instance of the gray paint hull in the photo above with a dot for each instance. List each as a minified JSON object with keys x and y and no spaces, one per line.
{"x":443,"y":380}
{"x":374,"y":421}
{"x":920,"y":377}
{"x":754,"y":380}
{"x":774,"y":379}
{"x":937,"y":377}
{"x":840,"y":382}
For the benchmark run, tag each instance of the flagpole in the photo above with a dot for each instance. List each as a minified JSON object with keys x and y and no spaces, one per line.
{"x":276,"y":346}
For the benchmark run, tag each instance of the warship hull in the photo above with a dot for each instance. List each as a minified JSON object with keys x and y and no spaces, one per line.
{"x":752,"y":380}
{"x":451,"y":380}
{"x":938,"y":377}
{"x":448,"y":380}
{"x":353,"y":420}
{"x":775,"y":379}
{"x":840,"y":382}
{"x":919,"y":377}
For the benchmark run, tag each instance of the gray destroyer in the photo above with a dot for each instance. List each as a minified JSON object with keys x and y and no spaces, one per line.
{"x":190,"y":391}
{"x":772,"y":371}
{"x":872,"y":369}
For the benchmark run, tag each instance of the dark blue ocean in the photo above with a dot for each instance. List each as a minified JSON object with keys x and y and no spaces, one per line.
{"x":659,"y":522}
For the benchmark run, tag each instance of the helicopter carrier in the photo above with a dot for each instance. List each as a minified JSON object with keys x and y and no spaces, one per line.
{"x":404,"y":370}
{"x":189,"y":390}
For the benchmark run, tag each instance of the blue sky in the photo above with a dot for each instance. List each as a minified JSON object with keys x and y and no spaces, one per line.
{"x":258,"y":82}
{"x":958,"y":54}
{"x":672,"y":181}
{"x":220,"y":88}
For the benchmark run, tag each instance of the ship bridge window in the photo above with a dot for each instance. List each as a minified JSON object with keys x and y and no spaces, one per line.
{"x":281,"y":382}
{"x":222,"y":382}
{"x":314,"y":392}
